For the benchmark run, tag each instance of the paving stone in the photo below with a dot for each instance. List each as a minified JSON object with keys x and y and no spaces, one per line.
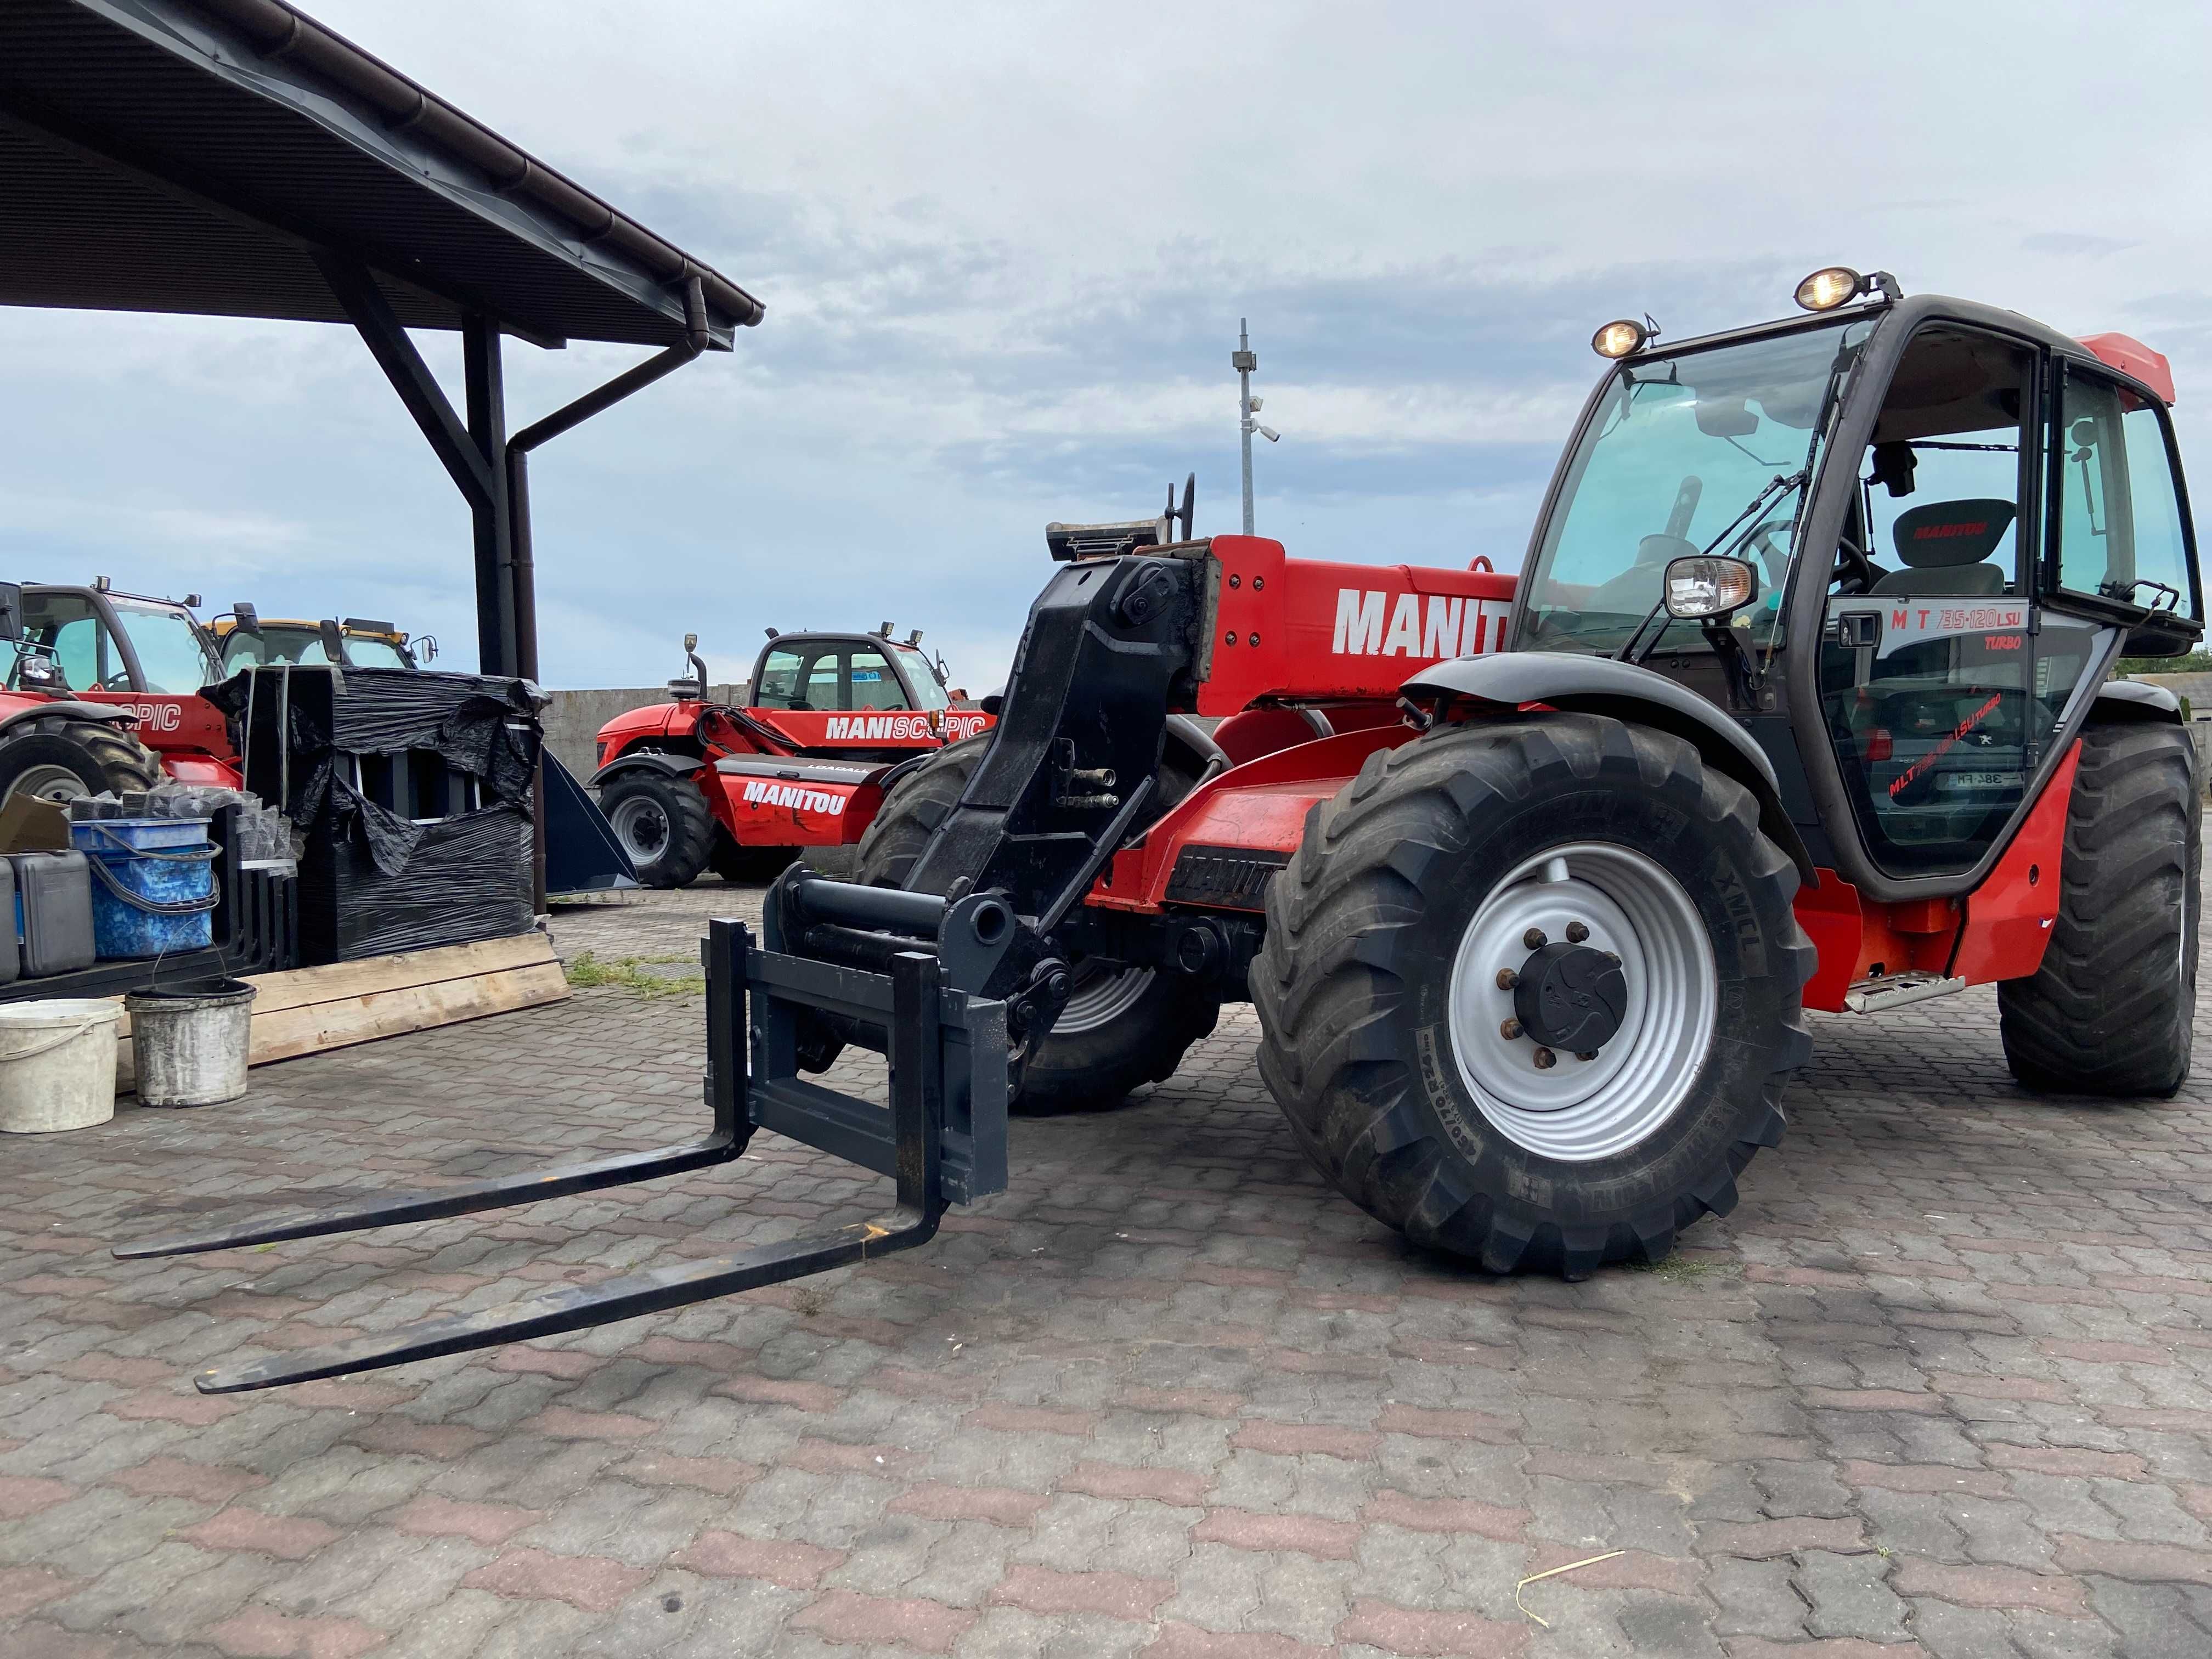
{"x":1170,"y":1394}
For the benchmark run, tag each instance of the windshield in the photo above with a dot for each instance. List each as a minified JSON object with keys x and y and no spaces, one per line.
{"x":282,"y":642}
{"x":1711,"y":451}
{"x":927,"y":693}
{"x":366,"y":653}
{"x":170,"y":654}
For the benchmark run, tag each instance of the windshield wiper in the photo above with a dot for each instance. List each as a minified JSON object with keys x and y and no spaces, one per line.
{"x":1781,"y":483}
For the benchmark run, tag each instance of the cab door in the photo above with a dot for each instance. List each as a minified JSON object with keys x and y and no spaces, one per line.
{"x":1930,"y":687}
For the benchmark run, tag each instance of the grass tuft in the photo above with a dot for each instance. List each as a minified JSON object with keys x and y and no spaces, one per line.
{"x":628,"y":973}
{"x":1681,"y":1269}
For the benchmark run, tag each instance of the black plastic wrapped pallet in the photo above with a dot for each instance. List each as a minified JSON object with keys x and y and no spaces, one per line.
{"x":463,"y":879}
{"x":412,"y":791}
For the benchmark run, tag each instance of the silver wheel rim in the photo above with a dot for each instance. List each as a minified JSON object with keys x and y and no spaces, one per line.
{"x":1104,"y":991}
{"x":641,"y":827}
{"x":49,"y":783}
{"x":1577,"y":1110}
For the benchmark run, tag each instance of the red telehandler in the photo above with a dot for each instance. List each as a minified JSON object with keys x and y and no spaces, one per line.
{"x":103,"y":693}
{"x":1807,"y":700}
{"x":692,"y":784}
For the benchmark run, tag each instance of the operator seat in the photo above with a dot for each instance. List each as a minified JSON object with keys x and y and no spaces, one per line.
{"x":1945,"y":544}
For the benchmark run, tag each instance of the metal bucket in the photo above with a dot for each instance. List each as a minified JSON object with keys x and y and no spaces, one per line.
{"x":190,"y":1043}
{"x":57,"y":1065}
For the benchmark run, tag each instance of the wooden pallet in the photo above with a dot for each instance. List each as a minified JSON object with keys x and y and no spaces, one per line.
{"x":307,"y":1009}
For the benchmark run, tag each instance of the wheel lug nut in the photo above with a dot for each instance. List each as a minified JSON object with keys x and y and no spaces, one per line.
{"x":1586,"y":1054}
{"x":1509,"y":1029}
{"x":1534,"y":939}
{"x":1546,"y":1060}
{"x":1507,"y":979}
{"x":1576,"y":933}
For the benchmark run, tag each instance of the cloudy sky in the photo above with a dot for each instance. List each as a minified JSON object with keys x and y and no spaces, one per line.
{"x":1004,"y":251}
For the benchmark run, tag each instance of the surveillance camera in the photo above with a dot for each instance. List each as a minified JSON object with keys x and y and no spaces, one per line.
{"x":1256,"y":403}
{"x":1269,"y":434}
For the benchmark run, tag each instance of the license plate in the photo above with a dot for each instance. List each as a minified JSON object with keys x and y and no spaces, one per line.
{"x":1980,"y":781}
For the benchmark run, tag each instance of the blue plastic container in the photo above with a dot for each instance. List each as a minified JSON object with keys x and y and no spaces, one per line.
{"x":153,"y":884}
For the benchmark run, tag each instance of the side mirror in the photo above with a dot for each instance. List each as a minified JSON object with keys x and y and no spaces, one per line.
{"x":334,"y":651}
{"x":246,"y":619}
{"x":691,"y":642}
{"x":11,"y":611}
{"x":1707,"y":588}
{"x":425,"y":647}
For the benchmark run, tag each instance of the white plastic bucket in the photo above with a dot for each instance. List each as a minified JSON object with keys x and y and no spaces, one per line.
{"x":189,"y":1045}
{"x":57,"y":1065}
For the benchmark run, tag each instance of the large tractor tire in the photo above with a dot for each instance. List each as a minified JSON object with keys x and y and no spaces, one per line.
{"x":58,"y":757}
{"x":2111,"y":1010}
{"x":1530,"y":991}
{"x":663,"y":823}
{"x":1123,"y":1027}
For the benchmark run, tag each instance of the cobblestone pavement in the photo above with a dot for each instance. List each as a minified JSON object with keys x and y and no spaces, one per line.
{"x":1939,"y":1385}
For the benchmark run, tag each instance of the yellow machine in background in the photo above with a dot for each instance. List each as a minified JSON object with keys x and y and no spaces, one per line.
{"x":356,"y":642}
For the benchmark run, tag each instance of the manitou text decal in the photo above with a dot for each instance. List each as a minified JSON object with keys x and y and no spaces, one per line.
{"x":792,"y":794}
{"x":957,"y":727}
{"x":879,"y":725}
{"x":1369,"y":623}
{"x":157,"y":716}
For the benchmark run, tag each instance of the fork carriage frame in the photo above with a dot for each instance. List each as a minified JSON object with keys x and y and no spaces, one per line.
{"x":938,"y":1137}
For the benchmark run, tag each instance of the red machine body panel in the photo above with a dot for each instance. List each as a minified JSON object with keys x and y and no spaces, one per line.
{"x":1259,"y":806}
{"x":1998,"y":932}
{"x":1309,"y":630}
{"x":2131,"y":356}
{"x":177,"y":724}
{"x":797,"y":807}
{"x":812,"y":730}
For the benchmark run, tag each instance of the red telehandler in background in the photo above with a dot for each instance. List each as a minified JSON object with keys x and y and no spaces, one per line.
{"x":1807,"y":700}
{"x":691,"y":784}
{"x":103,"y":693}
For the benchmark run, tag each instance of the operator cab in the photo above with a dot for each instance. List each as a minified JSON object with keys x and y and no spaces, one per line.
{"x":1951,"y":522}
{"x":842,"y":673}
{"x":102,"y":640}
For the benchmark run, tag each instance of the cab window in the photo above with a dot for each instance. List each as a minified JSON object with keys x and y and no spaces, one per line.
{"x":2117,"y":524}
{"x":83,"y":649}
{"x":786,"y":678}
{"x":875,"y":681}
{"x":809,"y":677}
{"x":171,"y":657}
{"x":927,"y":693}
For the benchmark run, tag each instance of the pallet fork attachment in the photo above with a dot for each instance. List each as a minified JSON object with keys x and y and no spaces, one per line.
{"x":946,"y":1048}
{"x":949,"y":976}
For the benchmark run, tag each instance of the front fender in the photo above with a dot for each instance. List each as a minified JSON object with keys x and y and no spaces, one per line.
{"x":1624,"y":691}
{"x":2125,"y":700}
{"x":70,"y":707}
{"x":649,"y":760}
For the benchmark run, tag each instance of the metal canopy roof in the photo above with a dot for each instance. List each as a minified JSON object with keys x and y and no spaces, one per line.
{"x":197,"y":156}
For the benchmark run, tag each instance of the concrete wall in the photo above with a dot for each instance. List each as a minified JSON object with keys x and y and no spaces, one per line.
{"x":572,"y":719}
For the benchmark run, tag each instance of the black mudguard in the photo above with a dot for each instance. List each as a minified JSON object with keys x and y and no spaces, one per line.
{"x":1599,"y":685}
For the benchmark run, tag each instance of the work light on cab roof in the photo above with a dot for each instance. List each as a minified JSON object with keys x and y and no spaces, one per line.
{"x":1618,"y":339}
{"x":1834,"y":285}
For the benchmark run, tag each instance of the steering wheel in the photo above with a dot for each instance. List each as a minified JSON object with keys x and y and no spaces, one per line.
{"x":119,"y":680}
{"x":1859,"y":565}
{"x":1860,"y":571}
